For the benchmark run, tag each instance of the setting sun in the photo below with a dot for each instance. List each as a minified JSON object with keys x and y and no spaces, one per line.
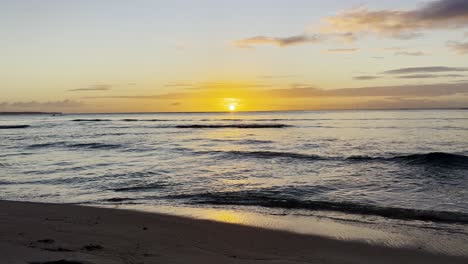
{"x":232,"y":107}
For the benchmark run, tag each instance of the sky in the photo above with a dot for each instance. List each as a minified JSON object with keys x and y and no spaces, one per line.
{"x":248,"y":55}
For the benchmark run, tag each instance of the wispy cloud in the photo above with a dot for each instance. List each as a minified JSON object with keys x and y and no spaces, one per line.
{"x":431,"y":69}
{"x":393,"y":49}
{"x":428,"y":90}
{"x":366,"y":77}
{"x":278,"y":41}
{"x":410,"y":53}
{"x":35,"y":105}
{"x":275,"y":76}
{"x":432,"y":90}
{"x":439,"y":14}
{"x":403,"y":51}
{"x":429,"y":76}
{"x":179,"y":85}
{"x":459,"y":47}
{"x":96,"y":87}
{"x":349,"y":50}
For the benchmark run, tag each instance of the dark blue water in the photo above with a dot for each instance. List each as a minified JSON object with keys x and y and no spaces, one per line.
{"x":409,"y":165}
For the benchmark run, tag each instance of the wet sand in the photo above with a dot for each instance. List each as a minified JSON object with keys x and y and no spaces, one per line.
{"x":49,"y":233}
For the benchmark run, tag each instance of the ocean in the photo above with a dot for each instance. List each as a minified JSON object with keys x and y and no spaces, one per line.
{"x":404,"y":167}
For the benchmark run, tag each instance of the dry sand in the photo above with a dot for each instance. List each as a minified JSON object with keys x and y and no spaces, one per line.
{"x":47,"y":233}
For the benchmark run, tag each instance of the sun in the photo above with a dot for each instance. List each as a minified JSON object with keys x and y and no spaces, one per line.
{"x":231,"y":104}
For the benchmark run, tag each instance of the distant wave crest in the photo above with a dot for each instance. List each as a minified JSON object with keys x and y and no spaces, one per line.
{"x":91,"y":120}
{"x":144,"y":120}
{"x":93,"y":146}
{"x":13,"y":126}
{"x":195,"y":126}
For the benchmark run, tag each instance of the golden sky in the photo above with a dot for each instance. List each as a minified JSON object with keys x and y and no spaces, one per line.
{"x":176,"y":56}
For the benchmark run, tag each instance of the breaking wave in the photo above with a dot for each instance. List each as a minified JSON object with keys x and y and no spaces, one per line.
{"x":275,"y":199}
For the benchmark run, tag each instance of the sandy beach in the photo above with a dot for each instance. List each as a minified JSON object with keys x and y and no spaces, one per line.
{"x":56,"y":233}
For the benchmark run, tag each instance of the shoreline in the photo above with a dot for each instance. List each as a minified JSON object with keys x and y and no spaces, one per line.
{"x":40,"y":233}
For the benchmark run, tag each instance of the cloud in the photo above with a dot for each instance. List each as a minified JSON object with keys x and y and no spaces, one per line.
{"x":351,"y":24}
{"x":96,"y":87}
{"x":402,"y":51}
{"x":50,"y":105}
{"x":401,"y":99}
{"x":459,"y":47}
{"x":366,"y":78}
{"x":179,"y":85}
{"x":275,"y":76}
{"x":278,"y":41}
{"x":403,"y":103}
{"x":393,"y":49}
{"x":425,"y":70}
{"x":439,"y":14}
{"x":342,"y":50}
{"x":225,"y":85}
{"x":429,"y":90}
{"x":429,"y":76}
{"x":410,"y":53}
{"x":425,"y":90}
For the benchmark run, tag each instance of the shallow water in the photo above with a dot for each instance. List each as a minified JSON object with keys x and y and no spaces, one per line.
{"x":401,"y":165}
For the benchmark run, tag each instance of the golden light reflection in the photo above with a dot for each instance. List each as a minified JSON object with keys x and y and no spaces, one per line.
{"x":225,"y":216}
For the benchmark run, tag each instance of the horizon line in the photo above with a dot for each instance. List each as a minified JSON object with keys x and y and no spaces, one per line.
{"x":226,"y":112}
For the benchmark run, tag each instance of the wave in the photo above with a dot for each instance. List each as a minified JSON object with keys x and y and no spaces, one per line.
{"x":91,"y":120}
{"x":95,"y":146}
{"x":6,"y":183}
{"x":274,"y":199}
{"x":439,"y":159}
{"x":250,"y":141}
{"x":149,"y":186}
{"x":193,"y":126}
{"x":236,"y":141}
{"x":14,"y":126}
{"x":432,"y":158}
{"x":435,"y":158}
{"x":118,"y":199}
{"x":235,"y":126}
{"x":47,"y":145}
{"x":122,"y":120}
{"x":265,"y":154}
{"x":146,"y":120}
{"x":75,"y":145}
